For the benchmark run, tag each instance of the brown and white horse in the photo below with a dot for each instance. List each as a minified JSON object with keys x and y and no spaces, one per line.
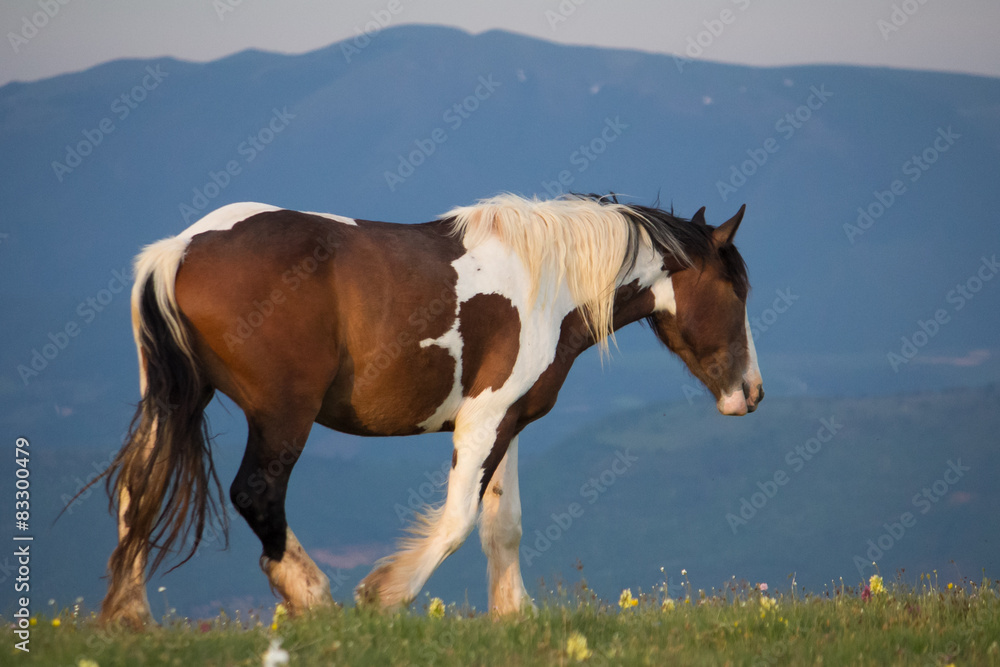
{"x":467,"y":324}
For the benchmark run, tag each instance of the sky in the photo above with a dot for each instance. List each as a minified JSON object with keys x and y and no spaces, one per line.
{"x":45,"y":38}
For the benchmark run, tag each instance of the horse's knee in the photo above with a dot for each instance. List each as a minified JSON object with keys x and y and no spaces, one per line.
{"x":501,"y":525}
{"x":509,"y":533}
{"x":500,"y":536}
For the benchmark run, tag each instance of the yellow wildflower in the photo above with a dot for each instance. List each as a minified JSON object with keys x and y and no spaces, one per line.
{"x":875,"y":584}
{"x":668,"y":604}
{"x":576,"y":647}
{"x":86,"y":662}
{"x":950,"y":585}
{"x":56,"y":622}
{"x":280,"y":612}
{"x":33,"y":621}
{"x":768,"y":603}
{"x":436,"y":608}
{"x":626,"y":600}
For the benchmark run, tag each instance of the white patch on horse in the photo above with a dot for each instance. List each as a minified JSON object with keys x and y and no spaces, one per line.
{"x":753,"y":371}
{"x":492,"y":268}
{"x":226,"y":217}
{"x":663,"y":291}
{"x":335,"y":217}
{"x":649,"y":272}
{"x":222,"y":219}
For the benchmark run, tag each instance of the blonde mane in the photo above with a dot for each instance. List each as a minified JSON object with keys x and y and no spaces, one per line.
{"x":585,"y":243}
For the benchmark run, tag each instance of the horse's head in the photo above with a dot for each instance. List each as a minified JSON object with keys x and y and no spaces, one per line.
{"x":701,"y":316}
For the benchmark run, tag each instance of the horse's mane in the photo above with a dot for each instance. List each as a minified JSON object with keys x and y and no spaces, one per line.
{"x":586,"y":241}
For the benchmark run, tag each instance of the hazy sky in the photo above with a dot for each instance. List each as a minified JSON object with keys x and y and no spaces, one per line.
{"x":48,"y":37}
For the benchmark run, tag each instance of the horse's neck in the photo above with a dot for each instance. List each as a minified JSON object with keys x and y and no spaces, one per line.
{"x":647,"y":273}
{"x":634,"y":294}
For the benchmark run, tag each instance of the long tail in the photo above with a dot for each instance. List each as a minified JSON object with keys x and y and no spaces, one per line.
{"x":165,"y":466}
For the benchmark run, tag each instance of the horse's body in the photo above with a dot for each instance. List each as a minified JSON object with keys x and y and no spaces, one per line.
{"x":466,"y":324}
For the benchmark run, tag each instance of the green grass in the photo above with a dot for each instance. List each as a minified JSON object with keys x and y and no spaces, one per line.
{"x":921,"y":624}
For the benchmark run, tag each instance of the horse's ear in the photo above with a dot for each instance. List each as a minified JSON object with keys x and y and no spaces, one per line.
{"x":699,"y":216}
{"x":724,"y":233}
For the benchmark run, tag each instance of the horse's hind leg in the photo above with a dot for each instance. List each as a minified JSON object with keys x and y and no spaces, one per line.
{"x":126,"y":599}
{"x":500,"y":533}
{"x":258,"y":492}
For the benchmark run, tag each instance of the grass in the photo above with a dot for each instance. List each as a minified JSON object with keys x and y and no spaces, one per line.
{"x":900,"y":624}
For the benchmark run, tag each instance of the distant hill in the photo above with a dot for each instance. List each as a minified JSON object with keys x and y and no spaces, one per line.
{"x":624,"y":495}
{"x":97,"y":163}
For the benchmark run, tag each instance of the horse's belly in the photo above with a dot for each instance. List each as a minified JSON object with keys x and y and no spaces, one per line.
{"x":388,"y":394}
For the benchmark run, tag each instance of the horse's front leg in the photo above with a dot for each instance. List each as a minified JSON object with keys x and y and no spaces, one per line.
{"x":500,"y":533}
{"x":479,"y":446}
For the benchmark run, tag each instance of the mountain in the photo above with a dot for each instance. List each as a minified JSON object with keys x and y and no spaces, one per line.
{"x":817,"y":488}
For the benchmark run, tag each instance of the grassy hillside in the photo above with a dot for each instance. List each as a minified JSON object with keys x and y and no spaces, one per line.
{"x":897,"y":625}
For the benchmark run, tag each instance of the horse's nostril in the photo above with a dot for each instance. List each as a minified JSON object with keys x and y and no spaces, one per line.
{"x":760,"y":393}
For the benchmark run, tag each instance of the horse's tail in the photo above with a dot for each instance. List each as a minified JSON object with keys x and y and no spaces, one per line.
{"x":163,"y":477}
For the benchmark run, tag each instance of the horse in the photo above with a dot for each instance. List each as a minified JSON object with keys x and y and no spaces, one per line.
{"x":467,"y":324}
